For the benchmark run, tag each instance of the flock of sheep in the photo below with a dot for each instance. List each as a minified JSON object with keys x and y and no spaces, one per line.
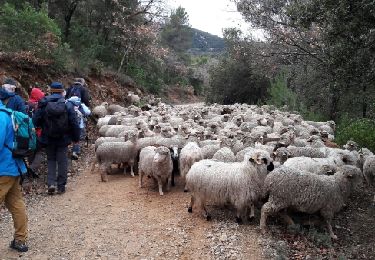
{"x":238,"y":154}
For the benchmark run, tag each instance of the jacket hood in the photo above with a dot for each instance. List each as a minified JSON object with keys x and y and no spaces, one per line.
{"x":5,"y":94}
{"x":75,"y":100}
{"x":36,"y":95}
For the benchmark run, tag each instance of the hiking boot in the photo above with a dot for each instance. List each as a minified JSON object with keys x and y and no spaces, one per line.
{"x":51,"y":190}
{"x":60,"y":190}
{"x":19,"y":246}
{"x":74,"y":156}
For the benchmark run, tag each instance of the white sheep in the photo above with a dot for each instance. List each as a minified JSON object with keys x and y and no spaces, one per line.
{"x":337,"y":159}
{"x":189,"y":154}
{"x":239,"y":183}
{"x":156,"y":162}
{"x":109,"y":153}
{"x":101,"y":110}
{"x":225,"y":154}
{"x":309,"y":193}
{"x":369,"y":171}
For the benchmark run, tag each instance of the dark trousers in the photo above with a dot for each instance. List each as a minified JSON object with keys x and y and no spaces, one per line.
{"x":57,"y":157}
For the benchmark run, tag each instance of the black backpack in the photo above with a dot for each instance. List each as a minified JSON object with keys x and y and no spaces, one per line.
{"x":56,"y":119}
{"x":75,"y":91}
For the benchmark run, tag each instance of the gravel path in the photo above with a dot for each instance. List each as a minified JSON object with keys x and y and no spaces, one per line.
{"x":118,"y":220}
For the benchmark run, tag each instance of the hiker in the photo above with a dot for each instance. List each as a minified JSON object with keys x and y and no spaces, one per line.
{"x":60,"y":127}
{"x":11,"y":170}
{"x":82,"y":112}
{"x":79,"y":89}
{"x":36,"y":159}
{"x":10,"y":98}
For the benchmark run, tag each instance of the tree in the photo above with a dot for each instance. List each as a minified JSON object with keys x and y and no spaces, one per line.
{"x":176,"y":33}
{"x":329,"y":41}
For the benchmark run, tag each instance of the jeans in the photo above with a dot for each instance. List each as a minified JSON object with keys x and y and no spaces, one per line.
{"x":77,"y":147}
{"x":57,"y":158}
{"x":11,"y":194}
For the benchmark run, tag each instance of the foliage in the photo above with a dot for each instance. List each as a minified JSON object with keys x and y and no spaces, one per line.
{"x":237,"y":78}
{"x":326,"y":45}
{"x":176,"y":33}
{"x":358,"y":130}
{"x":29,"y":30}
{"x":281,"y":95}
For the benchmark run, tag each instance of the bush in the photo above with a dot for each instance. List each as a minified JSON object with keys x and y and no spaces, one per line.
{"x":361,"y":131}
{"x":30,"y":30}
{"x":281,"y":95}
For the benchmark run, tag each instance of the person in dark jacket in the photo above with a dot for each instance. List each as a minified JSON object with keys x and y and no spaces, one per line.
{"x":57,"y":147}
{"x":11,"y":170}
{"x":37,"y":158}
{"x":11,"y":99}
{"x":80,"y":90}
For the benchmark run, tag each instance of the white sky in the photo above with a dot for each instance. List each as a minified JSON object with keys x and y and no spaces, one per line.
{"x":211,"y":15}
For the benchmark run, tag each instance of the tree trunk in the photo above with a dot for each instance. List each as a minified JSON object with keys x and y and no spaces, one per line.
{"x":364,"y":101}
{"x":334,"y":102}
{"x":68,"y":18}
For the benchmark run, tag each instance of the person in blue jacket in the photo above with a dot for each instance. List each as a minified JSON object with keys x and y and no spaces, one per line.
{"x":57,"y":147}
{"x":11,"y":170}
{"x":10,"y":98}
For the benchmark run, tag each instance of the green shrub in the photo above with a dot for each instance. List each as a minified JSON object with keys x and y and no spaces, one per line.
{"x":281,"y":95}
{"x":25,"y":29}
{"x":361,"y":131}
{"x":30,"y":30}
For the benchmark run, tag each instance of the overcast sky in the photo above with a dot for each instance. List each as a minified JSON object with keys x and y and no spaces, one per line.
{"x":211,"y":15}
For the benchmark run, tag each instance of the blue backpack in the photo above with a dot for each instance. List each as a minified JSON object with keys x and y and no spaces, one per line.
{"x":24,"y":142}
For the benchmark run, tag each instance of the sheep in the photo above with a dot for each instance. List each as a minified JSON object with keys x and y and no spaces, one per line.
{"x":101,"y":110}
{"x":309,"y":193}
{"x":113,"y":108}
{"x":133,"y":98}
{"x":157,"y":163}
{"x":312,"y":164}
{"x":101,"y":140}
{"x":208,"y":151}
{"x":224,"y":155}
{"x":239,"y":183}
{"x":306,"y":152}
{"x":116,"y":152}
{"x":369,"y":171}
{"x":189,"y":154}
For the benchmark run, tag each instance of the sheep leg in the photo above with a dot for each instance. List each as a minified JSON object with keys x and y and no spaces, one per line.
{"x":140,"y":179}
{"x":169,"y":183}
{"x":185,"y":188}
{"x":267,"y":209}
{"x":329,"y":226}
{"x":104,"y":174}
{"x":160,"y":185}
{"x":192,"y":201}
{"x":131,"y":169}
{"x":287,"y":219}
{"x":252,"y":212}
{"x":206,"y":215}
{"x":239,"y":216}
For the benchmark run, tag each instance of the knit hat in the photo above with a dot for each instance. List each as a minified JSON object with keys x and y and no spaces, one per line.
{"x":56,"y":87}
{"x":10,"y":85}
{"x":10,"y":81}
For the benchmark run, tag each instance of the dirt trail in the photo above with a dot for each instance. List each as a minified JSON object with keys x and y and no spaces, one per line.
{"x":118,"y":220}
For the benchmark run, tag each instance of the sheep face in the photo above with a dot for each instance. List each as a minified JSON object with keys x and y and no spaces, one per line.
{"x":161,"y":154}
{"x":174,"y":152}
{"x":259,"y":158}
{"x":352,"y":174}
